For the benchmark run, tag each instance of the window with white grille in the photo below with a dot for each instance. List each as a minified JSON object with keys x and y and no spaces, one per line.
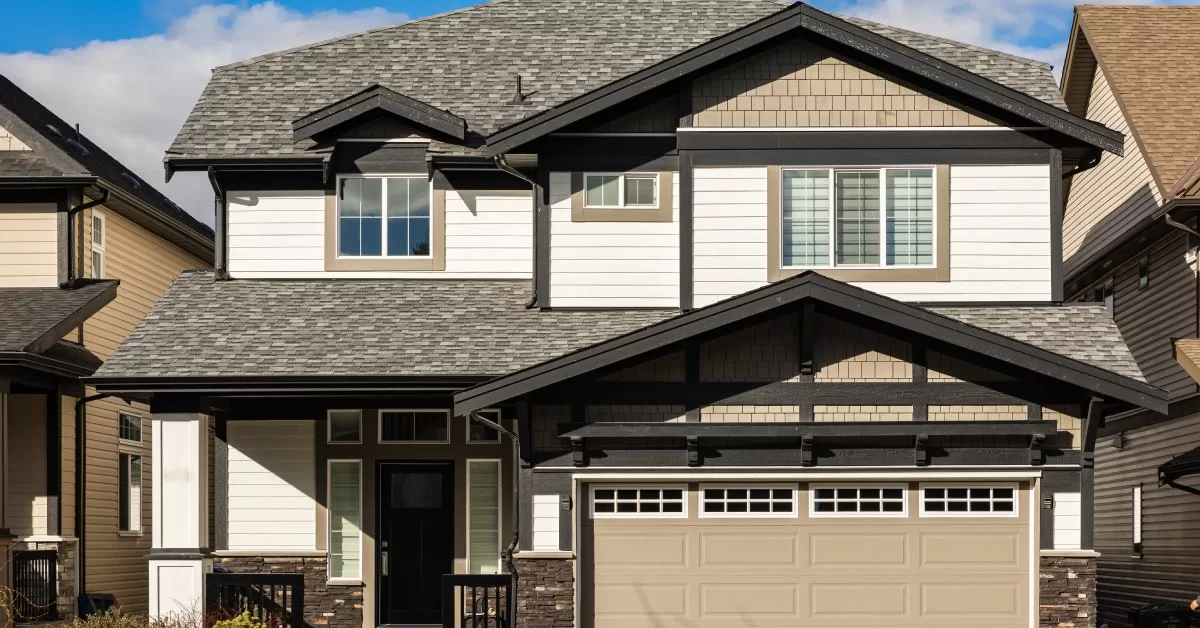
{"x":641,"y":502}
{"x":747,"y":501}
{"x":858,"y":501}
{"x":969,"y":501}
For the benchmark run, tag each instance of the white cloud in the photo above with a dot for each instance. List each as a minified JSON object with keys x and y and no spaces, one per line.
{"x":131,"y":96}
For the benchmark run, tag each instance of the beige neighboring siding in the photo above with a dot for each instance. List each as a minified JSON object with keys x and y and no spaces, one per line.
{"x":146,"y":266}
{"x":1166,"y":571}
{"x":28,"y":503}
{"x":1108,"y":200}
{"x":28,"y":245}
{"x":8,"y":141}
{"x":800,"y":84}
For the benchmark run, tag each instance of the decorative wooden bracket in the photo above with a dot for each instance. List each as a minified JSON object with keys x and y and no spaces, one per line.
{"x":578,"y":451}
{"x":921,"y":450}
{"x":807,"y":457}
{"x":1037,"y":455}
{"x":694,"y":458}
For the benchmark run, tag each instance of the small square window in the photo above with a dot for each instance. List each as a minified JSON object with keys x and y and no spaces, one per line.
{"x":414,"y":426}
{"x":621,"y":190}
{"x":129,"y":428}
{"x":345,"y":426}
{"x":480,"y":433}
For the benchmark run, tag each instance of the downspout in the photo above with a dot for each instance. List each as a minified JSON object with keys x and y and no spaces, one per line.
{"x":81,"y":487}
{"x":516,"y":510}
{"x":71,"y":232}
{"x":502,"y":164}
{"x":219,"y":253}
{"x":1092,"y":161}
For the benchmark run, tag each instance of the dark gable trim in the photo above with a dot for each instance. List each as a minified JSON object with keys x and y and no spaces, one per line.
{"x":541,"y":265}
{"x":800,"y":16}
{"x":791,"y":293}
{"x":802,"y":139}
{"x":374,"y":99}
{"x":868,"y":157}
{"x":687,"y":220}
{"x":74,"y":319}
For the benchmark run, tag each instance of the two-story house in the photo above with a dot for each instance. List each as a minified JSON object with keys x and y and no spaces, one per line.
{"x":86,"y":248}
{"x":1130,"y":242}
{"x":764,"y":302}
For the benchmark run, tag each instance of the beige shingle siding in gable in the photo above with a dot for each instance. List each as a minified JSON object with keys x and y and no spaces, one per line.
{"x":1108,"y":200}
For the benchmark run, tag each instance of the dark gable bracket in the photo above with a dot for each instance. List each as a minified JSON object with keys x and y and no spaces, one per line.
{"x":379,"y":98}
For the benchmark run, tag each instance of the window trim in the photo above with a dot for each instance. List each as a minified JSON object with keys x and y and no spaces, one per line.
{"x":938,"y":272}
{"x":702,"y":514}
{"x":1016,"y":511}
{"x":469,"y":423}
{"x":664,"y":212}
{"x":379,"y":427}
{"x":903,"y":514}
{"x":1136,"y":537}
{"x":122,"y":451}
{"x":621,"y":188}
{"x":124,"y":441}
{"x":101,"y":247}
{"x":329,"y":520}
{"x":637,"y":515}
{"x":329,"y":427}
{"x":499,"y":511}
{"x":435,"y":261}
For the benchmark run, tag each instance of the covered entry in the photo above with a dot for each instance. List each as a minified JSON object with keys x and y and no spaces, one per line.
{"x":766,"y":553}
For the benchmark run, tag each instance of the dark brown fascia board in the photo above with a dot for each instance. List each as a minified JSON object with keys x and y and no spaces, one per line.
{"x":790,"y":292}
{"x":74,"y":319}
{"x":173,"y":164}
{"x":379,"y":98}
{"x":43,"y":364}
{"x":798,"y":429}
{"x":802,"y":16}
{"x":293,"y":385}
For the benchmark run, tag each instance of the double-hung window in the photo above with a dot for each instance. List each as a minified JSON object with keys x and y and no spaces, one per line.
{"x":99,"y":233}
{"x":129,"y":473}
{"x":384,"y":217}
{"x":614,"y":191}
{"x":857,"y":217}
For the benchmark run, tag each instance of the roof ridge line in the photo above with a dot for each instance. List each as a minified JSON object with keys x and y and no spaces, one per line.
{"x":318,"y":44}
{"x":956,"y":42}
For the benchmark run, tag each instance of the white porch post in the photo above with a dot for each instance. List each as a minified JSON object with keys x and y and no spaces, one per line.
{"x":179,"y":547}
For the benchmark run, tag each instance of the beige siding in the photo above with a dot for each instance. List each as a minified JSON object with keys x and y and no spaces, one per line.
{"x":750,"y":414}
{"x":862,"y":414}
{"x":978,"y":413}
{"x":8,"y":141}
{"x":146,"y":266}
{"x":28,"y":503}
{"x":1108,"y":200}
{"x":1166,"y":572}
{"x":800,"y":84}
{"x":847,"y":353}
{"x":28,"y":245}
{"x":767,"y":352}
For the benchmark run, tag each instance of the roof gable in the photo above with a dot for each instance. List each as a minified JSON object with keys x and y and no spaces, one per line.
{"x":36,"y":318}
{"x":373,"y":101}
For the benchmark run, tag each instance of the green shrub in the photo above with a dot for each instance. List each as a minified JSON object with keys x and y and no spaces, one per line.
{"x":245,"y":620}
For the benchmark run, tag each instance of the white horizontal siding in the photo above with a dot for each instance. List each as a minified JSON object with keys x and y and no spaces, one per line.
{"x":272,"y":485}
{"x":28,"y":246}
{"x":489,"y":235}
{"x":611,"y":264}
{"x":1068,"y":521}
{"x":999,"y":236}
{"x":545,"y":523}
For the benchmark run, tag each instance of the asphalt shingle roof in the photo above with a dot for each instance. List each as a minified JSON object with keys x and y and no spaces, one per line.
{"x":27,"y":314}
{"x":467,"y":62}
{"x":26,"y":163}
{"x":202,"y":327}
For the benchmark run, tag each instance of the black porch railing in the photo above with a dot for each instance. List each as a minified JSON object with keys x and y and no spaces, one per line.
{"x":275,"y":599}
{"x":35,"y":585}
{"x":478,"y":601}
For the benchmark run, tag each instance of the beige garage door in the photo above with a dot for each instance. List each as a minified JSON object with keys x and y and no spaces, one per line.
{"x":766,"y":555}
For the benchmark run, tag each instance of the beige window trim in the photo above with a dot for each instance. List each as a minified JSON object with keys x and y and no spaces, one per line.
{"x":435,"y":262}
{"x":663,"y":213}
{"x":939,"y":272}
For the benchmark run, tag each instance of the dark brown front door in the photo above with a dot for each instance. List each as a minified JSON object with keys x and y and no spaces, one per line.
{"x":416,"y":540}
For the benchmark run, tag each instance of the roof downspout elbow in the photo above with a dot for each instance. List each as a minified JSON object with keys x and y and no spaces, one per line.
{"x":219,"y":252}
{"x":100,"y":200}
{"x":503,"y":165}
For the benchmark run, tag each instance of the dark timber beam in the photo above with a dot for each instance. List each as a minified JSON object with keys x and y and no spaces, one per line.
{"x":800,"y":430}
{"x":1092,"y":422}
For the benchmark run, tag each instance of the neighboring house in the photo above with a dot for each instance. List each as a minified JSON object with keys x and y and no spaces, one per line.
{"x":769,"y":298}
{"x":1130,"y":241}
{"x":86,"y":248}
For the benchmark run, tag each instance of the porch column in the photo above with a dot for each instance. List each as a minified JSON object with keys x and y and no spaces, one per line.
{"x":179,"y":554}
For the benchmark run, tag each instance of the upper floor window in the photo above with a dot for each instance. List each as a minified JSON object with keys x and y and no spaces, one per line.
{"x":858,"y":218}
{"x":384,"y":217}
{"x":1104,"y":294}
{"x":611,"y":190}
{"x":99,"y":233}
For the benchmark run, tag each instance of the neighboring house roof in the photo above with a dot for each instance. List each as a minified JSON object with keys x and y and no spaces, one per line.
{"x":1051,"y":340}
{"x":1156,"y":84}
{"x":1187,"y":354}
{"x":467,"y":63}
{"x":36,"y":319}
{"x":58,"y":150}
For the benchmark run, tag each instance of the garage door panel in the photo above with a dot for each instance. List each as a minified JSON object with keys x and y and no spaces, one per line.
{"x":757,"y":599}
{"x":649,"y":549}
{"x":763,"y":550}
{"x":977,"y":600}
{"x":642,"y":598}
{"x":850,"y":599}
{"x":965,"y":550}
{"x":828,"y":550}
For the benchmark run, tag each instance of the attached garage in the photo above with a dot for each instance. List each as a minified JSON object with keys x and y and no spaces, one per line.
{"x":895,"y":554}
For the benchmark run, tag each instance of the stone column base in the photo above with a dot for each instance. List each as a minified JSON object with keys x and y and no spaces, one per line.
{"x":325,"y":604}
{"x":65,"y":550}
{"x":546,"y":592}
{"x":1068,"y":591}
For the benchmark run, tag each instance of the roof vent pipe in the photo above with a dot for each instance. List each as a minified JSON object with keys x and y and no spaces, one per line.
{"x":519,"y":97}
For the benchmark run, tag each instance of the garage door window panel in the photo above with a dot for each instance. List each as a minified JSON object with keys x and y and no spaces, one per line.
{"x":657,"y":502}
{"x":858,"y":501}
{"x":747,"y":502}
{"x":968,"y":501}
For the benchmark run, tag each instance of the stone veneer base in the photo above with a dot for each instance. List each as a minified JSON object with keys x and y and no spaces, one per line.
{"x":546,"y":592}
{"x":1068,"y":592}
{"x":333,"y":605}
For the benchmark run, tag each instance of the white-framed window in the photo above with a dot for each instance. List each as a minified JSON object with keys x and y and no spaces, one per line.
{"x":1136,"y":509}
{"x":99,"y":235}
{"x":617,"y":190}
{"x":858,"y":217}
{"x":385,"y":216}
{"x":345,"y":519}
{"x":478,"y":433}
{"x":129,"y":428}
{"x":129,"y":492}
{"x":640,"y":502}
{"x":858,"y":501}
{"x":343,"y":427}
{"x":969,"y":501}
{"x":747,"y":501}
{"x":484,"y":516}
{"x":414,"y":426}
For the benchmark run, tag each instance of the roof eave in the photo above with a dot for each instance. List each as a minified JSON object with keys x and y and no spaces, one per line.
{"x":281,"y":384}
{"x":75,"y":318}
